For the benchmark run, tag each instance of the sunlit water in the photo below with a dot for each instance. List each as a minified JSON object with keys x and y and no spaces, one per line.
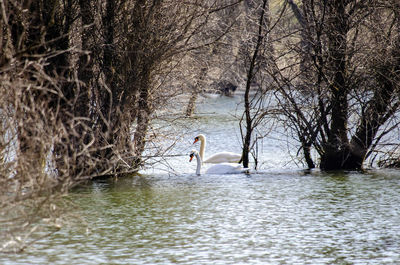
{"x":279,"y":215}
{"x":218,"y":119}
{"x":288,"y":218}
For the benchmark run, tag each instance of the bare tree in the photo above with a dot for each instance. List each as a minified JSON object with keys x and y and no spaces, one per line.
{"x":256,"y":51}
{"x":34,"y":108}
{"x":78,"y":80}
{"x":340,"y":103}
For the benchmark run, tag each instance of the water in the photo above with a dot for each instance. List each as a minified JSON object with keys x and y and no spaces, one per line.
{"x":279,"y":215}
{"x":218,"y":119}
{"x":268,"y":218}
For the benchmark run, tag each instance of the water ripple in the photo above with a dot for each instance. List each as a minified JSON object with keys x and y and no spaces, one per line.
{"x":257,"y":219}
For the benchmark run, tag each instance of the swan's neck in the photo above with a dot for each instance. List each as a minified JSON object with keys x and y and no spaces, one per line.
{"x":198,"y":159}
{"x":202,"y":148}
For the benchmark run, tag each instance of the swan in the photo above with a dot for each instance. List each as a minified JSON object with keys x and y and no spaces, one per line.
{"x":217,"y":158}
{"x":223,"y":168}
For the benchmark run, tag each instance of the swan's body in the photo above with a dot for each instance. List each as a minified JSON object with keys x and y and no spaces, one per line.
{"x":224,"y":168}
{"x":217,"y":158}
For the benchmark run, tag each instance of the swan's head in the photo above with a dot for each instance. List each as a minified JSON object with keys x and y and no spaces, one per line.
{"x":199,"y":137}
{"x":193,"y":153}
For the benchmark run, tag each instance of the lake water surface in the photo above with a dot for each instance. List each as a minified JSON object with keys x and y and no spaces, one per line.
{"x":267,"y":218}
{"x":278,"y":215}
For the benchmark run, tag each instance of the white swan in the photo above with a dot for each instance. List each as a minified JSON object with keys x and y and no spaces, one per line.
{"x":224,"y":168}
{"x":217,"y":158}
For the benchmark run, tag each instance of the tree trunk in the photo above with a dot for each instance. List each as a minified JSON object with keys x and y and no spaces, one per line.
{"x":192,"y":103}
{"x":108,"y":104}
{"x":195,"y":92}
{"x":143,"y":117}
{"x":250,"y":76}
{"x":87,"y":59}
{"x":379,"y":109}
{"x":337,"y":153}
{"x":48,"y":32}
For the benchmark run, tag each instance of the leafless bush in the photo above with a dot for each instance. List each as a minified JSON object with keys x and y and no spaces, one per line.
{"x":31,"y":131}
{"x":336,"y":77}
{"x":81,"y":82}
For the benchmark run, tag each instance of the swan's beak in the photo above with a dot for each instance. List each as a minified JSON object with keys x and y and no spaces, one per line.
{"x":195,"y":140}
{"x":191,"y":158}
